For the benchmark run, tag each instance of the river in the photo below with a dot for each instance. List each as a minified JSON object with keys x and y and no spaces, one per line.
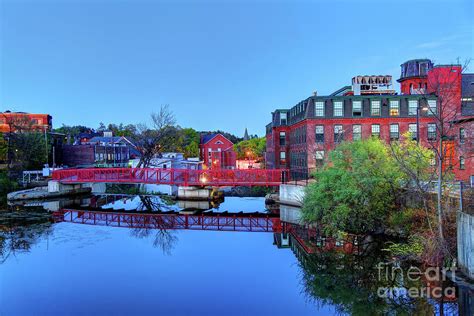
{"x":136,"y":255}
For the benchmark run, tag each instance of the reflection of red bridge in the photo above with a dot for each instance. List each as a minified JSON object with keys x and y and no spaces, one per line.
{"x":181,"y":177}
{"x":229,"y":222}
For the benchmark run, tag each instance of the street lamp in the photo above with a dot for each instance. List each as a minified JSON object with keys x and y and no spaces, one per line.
{"x":422,"y":107}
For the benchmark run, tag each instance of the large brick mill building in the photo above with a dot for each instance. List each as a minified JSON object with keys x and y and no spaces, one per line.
{"x":300,"y":138}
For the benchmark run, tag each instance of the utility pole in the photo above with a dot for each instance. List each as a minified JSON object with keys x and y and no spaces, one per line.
{"x":46,"y":145}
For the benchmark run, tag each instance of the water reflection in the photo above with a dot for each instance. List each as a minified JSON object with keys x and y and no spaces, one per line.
{"x":338,"y":275}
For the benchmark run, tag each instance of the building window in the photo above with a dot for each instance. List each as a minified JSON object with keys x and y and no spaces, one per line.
{"x":356,"y":132}
{"x":319,"y":108}
{"x":338,"y":134}
{"x":462,"y":165}
{"x":394,"y":132}
{"x":282,"y":138}
{"x":431,"y":131}
{"x":282,"y":157}
{"x":376,"y":130}
{"x":34,"y":121}
{"x":375,"y":108}
{"x":319,"y":134}
{"x":462,"y":135}
{"x":432,"y":108}
{"x":283,"y":118}
{"x":338,"y":108}
{"x":413,"y":131}
{"x":394,"y":108}
{"x":356,"y":108}
{"x":319,"y":156}
{"x":412,"y":107}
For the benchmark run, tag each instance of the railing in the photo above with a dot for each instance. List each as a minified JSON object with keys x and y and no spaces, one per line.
{"x":32,"y":176}
{"x":182,"y":177}
{"x":241,"y":222}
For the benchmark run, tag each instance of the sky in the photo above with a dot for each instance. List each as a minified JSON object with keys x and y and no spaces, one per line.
{"x":218,"y":64}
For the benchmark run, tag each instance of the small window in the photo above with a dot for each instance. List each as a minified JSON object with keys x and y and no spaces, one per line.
{"x":412,"y":107}
{"x":432,"y":108}
{"x":319,"y":108}
{"x":338,"y":108}
{"x":462,"y":165}
{"x":462,"y":135}
{"x":394,"y":108}
{"x":357,"y":108}
{"x":319,"y":156}
{"x":394,"y":132}
{"x":376,"y":130}
{"x":356,"y":132}
{"x":283,"y":118}
{"x":413,"y":131}
{"x":431,"y":131}
{"x":319,"y":133}
{"x":282,"y":138}
{"x":338,"y":134}
{"x":375,"y":108}
{"x":282,"y":157}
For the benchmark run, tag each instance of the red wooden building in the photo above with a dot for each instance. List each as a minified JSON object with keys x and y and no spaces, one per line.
{"x":300,"y":138}
{"x":217,"y":152}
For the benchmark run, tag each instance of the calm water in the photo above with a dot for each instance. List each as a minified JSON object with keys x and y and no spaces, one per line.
{"x":54,"y":267}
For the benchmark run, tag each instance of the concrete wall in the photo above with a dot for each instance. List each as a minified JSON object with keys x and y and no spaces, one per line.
{"x":290,"y":214}
{"x":465,"y":223}
{"x":193,"y":193}
{"x":291,"y":194}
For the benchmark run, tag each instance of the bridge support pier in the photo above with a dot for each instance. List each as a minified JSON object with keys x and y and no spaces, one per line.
{"x":194,"y":193}
{"x":57,"y":187}
{"x":292,"y":194}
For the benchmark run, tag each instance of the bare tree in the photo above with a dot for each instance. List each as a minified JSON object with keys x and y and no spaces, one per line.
{"x":151,"y":141}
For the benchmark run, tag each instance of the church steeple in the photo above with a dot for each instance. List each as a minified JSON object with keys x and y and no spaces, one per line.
{"x":246,"y":134}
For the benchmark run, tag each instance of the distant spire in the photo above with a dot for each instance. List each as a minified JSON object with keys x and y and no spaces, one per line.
{"x":246,"y":135}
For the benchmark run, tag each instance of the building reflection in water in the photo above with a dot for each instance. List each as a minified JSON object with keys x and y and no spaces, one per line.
{"x":338,"y":272}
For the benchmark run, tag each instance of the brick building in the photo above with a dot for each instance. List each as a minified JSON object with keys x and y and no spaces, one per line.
{"x":11,"y":121}
{"x":300,"y":138}
{"x":217,"y":152}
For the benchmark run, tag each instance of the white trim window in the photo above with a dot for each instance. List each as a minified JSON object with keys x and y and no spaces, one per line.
{"x":432,"y":107}
{"x":319,"y":108}
{"x":394,"y":107}
{"x":338,"y":108}
{"x":413,"y":131}
{"x":357,"y":108}
{"x":376,"y":130}
{"x":412,"y":107}
{"x":375,"y":107}
{"x":356,"y":132}
{"x":394,"y":132}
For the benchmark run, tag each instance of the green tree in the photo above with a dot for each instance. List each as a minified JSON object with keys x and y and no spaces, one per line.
{"x":253,"y":148}
{"x":356,"y":192}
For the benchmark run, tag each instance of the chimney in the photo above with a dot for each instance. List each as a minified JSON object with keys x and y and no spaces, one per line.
{"x":315,"y":93}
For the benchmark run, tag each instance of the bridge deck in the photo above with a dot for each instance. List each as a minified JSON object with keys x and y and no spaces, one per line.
{"x":181,"y":177}
{"x":216,"y":222}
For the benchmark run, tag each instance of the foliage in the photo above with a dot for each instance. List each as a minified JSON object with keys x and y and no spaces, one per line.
{"x":356,"y":192}
{"x":227,"y":135}
{"x":253,"y":148}
{"x":414,"y":247}
{"x":73,"y":130}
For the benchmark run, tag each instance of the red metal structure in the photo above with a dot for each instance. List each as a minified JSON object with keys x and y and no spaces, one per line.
{"x":182,"y":177}
{"x":235,"y":222}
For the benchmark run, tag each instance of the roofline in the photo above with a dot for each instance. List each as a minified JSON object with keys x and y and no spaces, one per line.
{"x":215,"y":135}
{"x":416,"y":59}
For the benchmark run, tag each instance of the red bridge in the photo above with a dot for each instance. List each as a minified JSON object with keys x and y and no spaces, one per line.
{"x":181,"y":177}
{"x":229,"y":222}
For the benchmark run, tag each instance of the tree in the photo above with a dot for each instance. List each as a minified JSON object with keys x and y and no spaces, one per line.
{"x":356,"y":192}
{"x":253,"y":148}
{"x":158,"y":138}
{"x":445,"y":84}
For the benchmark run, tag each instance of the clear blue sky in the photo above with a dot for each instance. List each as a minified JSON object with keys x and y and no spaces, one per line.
{"x":219,"y":65}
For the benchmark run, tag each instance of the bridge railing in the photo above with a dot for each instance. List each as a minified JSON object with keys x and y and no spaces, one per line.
{"x":182,"y":177}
